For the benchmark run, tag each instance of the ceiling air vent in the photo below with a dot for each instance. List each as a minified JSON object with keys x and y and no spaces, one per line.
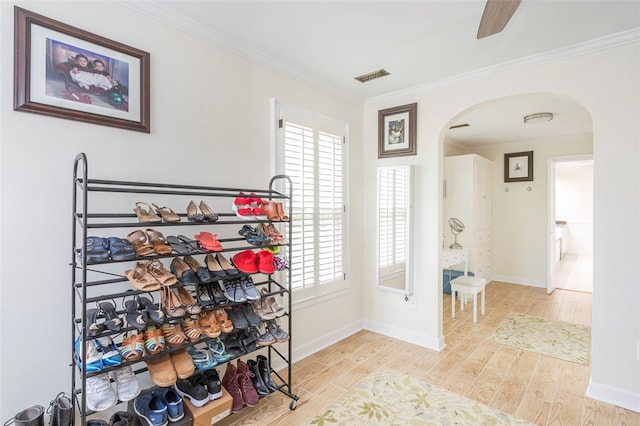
{"x":372,"y":75}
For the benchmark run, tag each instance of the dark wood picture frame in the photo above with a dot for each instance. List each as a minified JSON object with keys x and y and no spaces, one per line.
{"x":63,"y":71}
{"x":397,"y":131}
{"x":518,"y":166}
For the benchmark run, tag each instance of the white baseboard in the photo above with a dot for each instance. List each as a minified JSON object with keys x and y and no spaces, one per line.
{"x":429,"y":342}
{"x":518,"y":280}
{"x":613,"y":396}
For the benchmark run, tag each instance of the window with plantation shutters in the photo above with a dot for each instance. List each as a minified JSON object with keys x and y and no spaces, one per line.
{"x":310,"y":149}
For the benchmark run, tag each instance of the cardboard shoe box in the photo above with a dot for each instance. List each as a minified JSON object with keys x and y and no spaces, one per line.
{"x":210,"y":413}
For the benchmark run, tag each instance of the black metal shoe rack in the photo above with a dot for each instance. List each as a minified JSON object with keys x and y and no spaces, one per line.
{"x":105,"y":281}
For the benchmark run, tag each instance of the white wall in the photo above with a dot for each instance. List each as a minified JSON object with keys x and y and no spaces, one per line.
{"x":210,"y":113}
{"x":607,"y":84}
{"x":520,"y":214}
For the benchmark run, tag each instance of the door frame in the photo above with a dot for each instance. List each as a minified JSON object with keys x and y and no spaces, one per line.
{"x":551,"y":209}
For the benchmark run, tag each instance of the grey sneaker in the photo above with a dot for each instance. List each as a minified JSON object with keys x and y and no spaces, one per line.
{"x":250,"y":290}
{"x":100,"y":394}
{"x":127,"y":384}
{"x":232,"y":290}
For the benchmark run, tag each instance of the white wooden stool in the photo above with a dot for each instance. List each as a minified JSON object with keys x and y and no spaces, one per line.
{"x":468,"y":286}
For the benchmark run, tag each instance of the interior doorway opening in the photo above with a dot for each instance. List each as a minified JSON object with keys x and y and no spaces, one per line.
{"x":571,"y":224}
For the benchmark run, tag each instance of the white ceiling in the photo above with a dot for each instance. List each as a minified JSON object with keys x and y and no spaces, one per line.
{"x":420,"y":43}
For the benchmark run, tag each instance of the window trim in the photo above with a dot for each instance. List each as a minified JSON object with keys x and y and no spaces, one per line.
{"x":295,"y":114}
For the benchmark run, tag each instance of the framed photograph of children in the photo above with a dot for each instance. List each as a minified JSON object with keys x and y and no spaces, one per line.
{"x":518,"y":166}
{"x":66,"y":72}
{"x":397,"y":131}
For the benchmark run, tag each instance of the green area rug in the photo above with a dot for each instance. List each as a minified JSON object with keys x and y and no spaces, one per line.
{"x":558,"y":339}
{"x":391,"y":398}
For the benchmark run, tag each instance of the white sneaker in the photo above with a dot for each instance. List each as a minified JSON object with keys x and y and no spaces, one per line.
{"x":100,"y":394}
{"x":127,"y":384}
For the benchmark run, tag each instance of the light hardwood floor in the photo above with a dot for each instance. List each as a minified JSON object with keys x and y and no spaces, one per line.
{"x":540,"y":389}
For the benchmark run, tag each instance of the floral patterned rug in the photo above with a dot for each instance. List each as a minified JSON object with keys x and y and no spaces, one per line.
{"x":558,"y":339}
{"x":391,"y":398}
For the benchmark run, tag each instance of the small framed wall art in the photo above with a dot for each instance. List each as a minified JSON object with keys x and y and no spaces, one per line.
{"x":518,"y":166}
{"x":397,"y":131}
{"x":66,"y":72}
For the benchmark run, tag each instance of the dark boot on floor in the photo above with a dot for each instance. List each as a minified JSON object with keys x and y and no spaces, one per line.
{"x":60,"y":411}
{"x":258,"y":383}
{"x":265,"y":372}
{"x":122,"y":418}
{"x":230,"y":383}
{"x":249,"y":394}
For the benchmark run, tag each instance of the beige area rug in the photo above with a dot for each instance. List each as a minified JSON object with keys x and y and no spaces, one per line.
{"x":391,"y":398}
{"x":570,"y":342}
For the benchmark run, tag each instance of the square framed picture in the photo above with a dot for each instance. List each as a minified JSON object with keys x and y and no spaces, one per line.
{"x":518,"y":167}
{"x":397,"y":131}
{"x":66,"y":72}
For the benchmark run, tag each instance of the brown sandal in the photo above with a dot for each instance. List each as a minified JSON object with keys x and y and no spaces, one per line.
{"x":141,"y":279}
{"x":223,"y":320}
{"x":270,"y":230}
{"x":138,"y":240}
{"x":192,"y":330}
{"x":280,"y":209}
{"x":271,"y":210}
{"x":158,"y":241}
{"x":160,"y":273}
{"x":209,"y":324}
{"x":166,"y":213}
{"x":173,"y":335}
{"x":146,"y":215}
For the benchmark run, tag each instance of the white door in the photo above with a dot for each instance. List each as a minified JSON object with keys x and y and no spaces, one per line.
{"x":551,"y":227}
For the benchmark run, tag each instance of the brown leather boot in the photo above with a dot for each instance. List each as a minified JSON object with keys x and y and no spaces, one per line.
{"x":230,"y":383}
{"x":249,"y":394}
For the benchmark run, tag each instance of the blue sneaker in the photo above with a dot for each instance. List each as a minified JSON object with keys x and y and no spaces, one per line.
{"x":94,"y":358}
{"x":175,"y":407}
{"x":152,"y":409}
{"x":109,"y":351}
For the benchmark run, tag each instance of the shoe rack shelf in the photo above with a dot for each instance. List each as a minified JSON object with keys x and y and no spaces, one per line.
{"x":98,"y":211}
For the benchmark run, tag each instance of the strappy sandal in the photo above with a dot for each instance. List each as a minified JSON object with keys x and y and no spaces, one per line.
{"x":111,"y":319}
{"x":158,"y":241}
{"x":140,"y":277}
{"x":153,"y":340}
{"x":138,"y":240}
{"x":209,"y":324}
{"x":94,"y":328}
{"x":171,"y":304}
{"x":271,"y":302}
{"x":173,"y":335}
{"x":166,"y":213}
{"x":192,"y":330}
{"x":136,"y":314}
{"x":270,"y":230}
{"x":188,"y":302}
{"x":154,"y":311}
{"x":223,"y":320}
{"x":132,"y":347}
{"x":193,"y":244}
{"x":159,"y":272}
{"x":146,"y":215}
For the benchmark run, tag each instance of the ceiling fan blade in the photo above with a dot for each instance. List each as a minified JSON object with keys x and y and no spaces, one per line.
{"x":496,"y":15}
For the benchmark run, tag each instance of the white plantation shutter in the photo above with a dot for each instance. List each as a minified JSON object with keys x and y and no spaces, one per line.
{"x":392,"y":220}
{"x":312,"y":155}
